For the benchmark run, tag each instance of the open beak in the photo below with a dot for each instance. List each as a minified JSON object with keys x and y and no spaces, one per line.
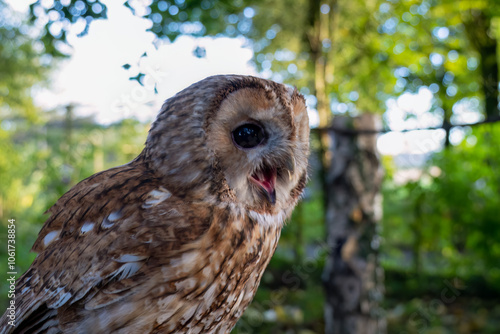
{"x":265,"y":179}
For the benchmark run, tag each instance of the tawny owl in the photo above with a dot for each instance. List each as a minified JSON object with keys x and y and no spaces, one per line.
{"x":177,"y":240}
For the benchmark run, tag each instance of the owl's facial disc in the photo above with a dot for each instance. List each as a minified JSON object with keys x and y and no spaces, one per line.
{"x":265,"y":179}
{"x":260,"y":139}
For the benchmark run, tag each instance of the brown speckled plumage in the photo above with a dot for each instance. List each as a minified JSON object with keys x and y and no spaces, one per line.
{"x":177,"y":240}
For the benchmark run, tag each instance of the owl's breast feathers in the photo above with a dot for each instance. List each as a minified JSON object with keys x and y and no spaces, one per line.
{"x":120,"y":253}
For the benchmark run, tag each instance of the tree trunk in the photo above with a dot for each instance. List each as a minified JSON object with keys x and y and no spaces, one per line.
{"x":319,"y":28}
{"x":352,"y":276}
{"x":489,"y":71}
{"x":479,"y":29}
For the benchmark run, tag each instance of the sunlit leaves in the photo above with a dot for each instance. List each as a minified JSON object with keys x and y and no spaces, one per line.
{"x":453,"y":207}
{"x":21,"y":66}
{"x":56,"y":18}
{"x":440,"y":51}
{"x":197,"y":18}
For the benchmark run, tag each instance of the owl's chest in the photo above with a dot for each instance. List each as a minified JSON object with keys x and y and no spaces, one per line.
{"x":226,"y":269}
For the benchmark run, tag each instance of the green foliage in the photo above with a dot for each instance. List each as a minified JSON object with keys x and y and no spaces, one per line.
{"x":466,"y":197}
{"x":44,"y":160}
{"x":21,"y":66}
{"x":56,"y":18}
{"x":441,"y":228}
{"x":450,"y":215}
{"x":432,"y":315}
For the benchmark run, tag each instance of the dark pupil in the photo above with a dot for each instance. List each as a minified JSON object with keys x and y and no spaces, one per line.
{"x":248,"y":135}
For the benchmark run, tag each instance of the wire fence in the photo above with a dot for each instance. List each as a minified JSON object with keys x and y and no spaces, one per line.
{"x":356,"y":132}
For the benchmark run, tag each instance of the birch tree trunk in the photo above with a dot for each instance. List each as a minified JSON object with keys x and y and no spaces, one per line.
{"x":352,"y":276}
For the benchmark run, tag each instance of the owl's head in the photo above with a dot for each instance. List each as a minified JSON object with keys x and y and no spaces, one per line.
{"x":233,"y":138}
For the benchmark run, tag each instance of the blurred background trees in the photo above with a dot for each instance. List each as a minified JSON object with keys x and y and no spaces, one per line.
{"x":438,"y":240}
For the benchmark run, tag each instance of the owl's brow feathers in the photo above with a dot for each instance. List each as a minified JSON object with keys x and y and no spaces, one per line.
{"x":270,"y":89}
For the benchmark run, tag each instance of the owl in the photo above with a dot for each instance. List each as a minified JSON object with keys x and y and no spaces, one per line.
{"x":177,"y":240}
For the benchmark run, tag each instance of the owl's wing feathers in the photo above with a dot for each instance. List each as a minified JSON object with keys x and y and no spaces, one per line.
{"x":100,"y":234}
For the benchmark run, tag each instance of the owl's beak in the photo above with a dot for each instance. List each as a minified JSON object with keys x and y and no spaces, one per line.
{"x":266,"y":180}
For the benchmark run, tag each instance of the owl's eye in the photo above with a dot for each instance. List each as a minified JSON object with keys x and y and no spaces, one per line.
{"x":248,"y":135}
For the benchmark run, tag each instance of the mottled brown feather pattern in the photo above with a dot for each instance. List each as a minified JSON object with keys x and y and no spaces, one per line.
{"x":177,"y":240}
